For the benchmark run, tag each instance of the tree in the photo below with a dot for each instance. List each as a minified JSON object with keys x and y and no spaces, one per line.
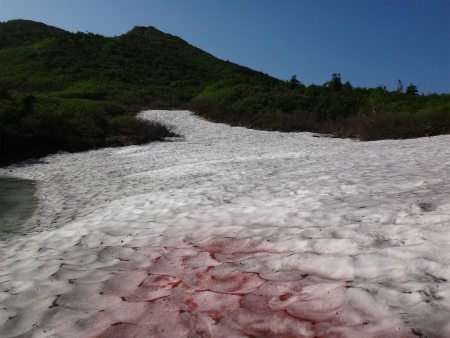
{"x":336,"y":83}
{"x":293,"y":82}
{"x":347,"y":86}
{"x":400,"y":86}
{"x":411,"y":89}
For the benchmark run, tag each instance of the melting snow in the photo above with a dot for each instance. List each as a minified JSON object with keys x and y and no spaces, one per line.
{"x":233,"y":232}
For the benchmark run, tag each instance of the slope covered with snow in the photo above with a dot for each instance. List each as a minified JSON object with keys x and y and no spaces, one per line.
{"x":233,"y":232}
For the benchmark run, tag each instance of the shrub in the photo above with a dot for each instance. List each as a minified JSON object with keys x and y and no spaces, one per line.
{"x":37,"y":126}
{"x":127,"y":130}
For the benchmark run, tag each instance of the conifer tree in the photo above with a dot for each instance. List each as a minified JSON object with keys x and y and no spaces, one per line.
{"x":412,"y":89}
{"x":293,"y":82}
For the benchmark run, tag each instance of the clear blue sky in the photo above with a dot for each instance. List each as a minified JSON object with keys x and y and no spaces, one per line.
{"x":369,"y":42}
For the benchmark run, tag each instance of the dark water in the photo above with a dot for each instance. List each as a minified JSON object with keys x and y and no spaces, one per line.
{"x":17,"y":204}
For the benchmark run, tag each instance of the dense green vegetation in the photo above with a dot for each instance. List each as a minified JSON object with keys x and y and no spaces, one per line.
{"x":75,"y":91}
{"x":34,"y":126}
{"x":334,"y":108}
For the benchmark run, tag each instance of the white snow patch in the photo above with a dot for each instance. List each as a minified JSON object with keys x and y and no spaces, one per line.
{"x":233,"y":232}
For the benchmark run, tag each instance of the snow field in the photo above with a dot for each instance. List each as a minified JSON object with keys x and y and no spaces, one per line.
{"x":233,"y":232}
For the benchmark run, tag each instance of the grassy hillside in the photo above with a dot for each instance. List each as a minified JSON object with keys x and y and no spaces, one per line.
{"x":143,"y":64}
{"x":76,"y":91}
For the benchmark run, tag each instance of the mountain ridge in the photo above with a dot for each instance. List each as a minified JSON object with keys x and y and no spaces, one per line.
{"x":158,"y":63}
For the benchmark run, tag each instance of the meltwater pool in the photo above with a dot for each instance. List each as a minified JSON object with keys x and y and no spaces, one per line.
{"x":17,"y":204}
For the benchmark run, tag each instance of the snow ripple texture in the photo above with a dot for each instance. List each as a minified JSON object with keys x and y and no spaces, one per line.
{"x":231,"y":232}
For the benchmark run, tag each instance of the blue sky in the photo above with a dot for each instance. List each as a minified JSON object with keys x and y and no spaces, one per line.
{"x":369,"y":42}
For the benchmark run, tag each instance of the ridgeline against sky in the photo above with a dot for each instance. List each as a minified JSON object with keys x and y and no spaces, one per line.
{"x":370,"y":42}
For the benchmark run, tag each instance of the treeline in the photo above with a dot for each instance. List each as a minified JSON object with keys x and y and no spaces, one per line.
{"x":76,"y":91}
{"x":334,"y":108}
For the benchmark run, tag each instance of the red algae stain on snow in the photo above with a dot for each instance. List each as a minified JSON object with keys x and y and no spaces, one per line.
{"x":192,"y":306}
{"x":166,"y":281}
{"x":283,"y":297}
{"x":190,"y":293}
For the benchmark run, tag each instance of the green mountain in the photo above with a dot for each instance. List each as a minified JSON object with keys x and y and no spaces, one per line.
{"x":75,"y":91}
{"x":19,"y":31}
{"x":143,"y":63}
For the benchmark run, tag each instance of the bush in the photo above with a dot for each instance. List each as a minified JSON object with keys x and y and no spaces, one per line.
{"x":377,"y":126}
{"x":127,"y":130}
{"x":37,"y":126}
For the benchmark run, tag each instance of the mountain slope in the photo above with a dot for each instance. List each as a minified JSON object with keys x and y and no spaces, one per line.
{"x":143,"y":62}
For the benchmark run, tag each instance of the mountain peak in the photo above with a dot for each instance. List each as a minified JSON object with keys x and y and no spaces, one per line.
{"x":28,"y":25}
{"x":150,"y":31}
{"x":16,"y":32}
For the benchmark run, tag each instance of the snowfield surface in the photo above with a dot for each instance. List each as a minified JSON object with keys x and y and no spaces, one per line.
{"x":234,"y":233}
